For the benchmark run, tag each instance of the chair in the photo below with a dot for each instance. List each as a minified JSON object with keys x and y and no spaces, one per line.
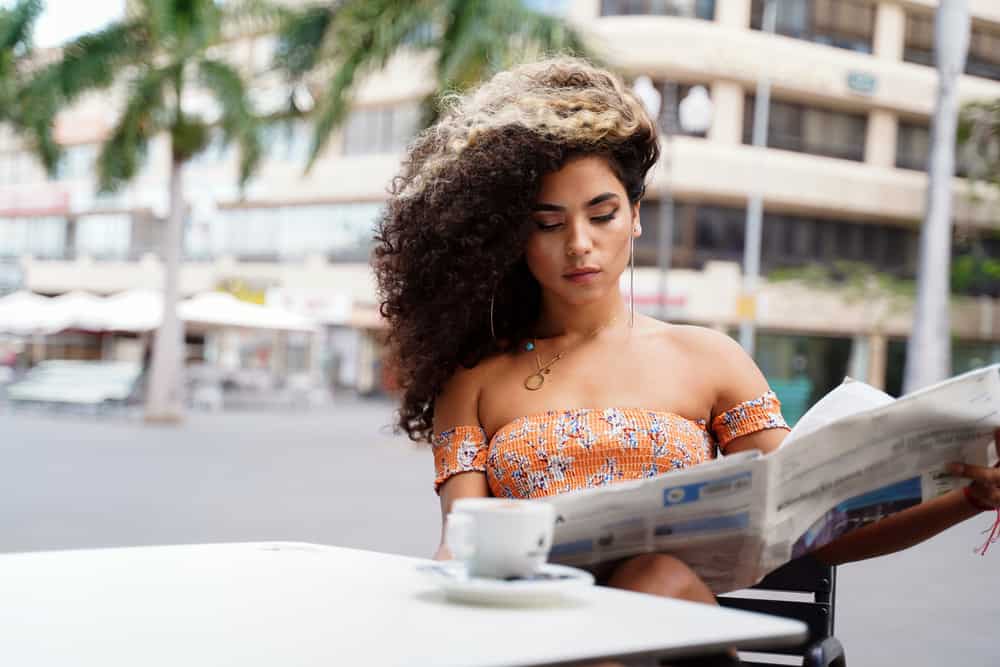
{"x":803,"y":575}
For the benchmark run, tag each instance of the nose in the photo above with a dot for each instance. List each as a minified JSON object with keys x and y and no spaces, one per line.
{"x":578,"y":241}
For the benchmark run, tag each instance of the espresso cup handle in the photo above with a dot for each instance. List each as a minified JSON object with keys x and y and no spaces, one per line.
{"x":460,"y":535}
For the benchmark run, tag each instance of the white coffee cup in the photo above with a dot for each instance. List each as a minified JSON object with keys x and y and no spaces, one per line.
{"x":500,"y":538}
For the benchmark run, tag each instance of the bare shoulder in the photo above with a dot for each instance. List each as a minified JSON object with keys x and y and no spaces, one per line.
{"x":732,"y":372}
{"x":458,"y":402}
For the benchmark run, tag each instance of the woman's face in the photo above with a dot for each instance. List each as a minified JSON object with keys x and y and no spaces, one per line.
{"x":583,"y":224}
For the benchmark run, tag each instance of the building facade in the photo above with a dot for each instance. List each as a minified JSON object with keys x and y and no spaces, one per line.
{"x":843,"y":180}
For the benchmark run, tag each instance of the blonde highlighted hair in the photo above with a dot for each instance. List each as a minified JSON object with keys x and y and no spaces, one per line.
{"x":562,"y":99}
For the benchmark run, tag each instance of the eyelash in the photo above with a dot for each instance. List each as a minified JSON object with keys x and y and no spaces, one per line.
{"x":599,"y":219}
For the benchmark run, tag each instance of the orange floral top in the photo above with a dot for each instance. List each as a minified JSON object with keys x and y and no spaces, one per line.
{"x":564,"y":450}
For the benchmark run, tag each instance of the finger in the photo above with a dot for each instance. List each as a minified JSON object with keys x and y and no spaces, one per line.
{"x":988,"y":476}
{"x":996,"y":441}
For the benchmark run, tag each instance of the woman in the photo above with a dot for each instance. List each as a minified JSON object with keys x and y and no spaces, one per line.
{"x":498,"y":262}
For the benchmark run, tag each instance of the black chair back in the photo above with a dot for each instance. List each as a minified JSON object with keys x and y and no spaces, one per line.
{"x":817,"y":581}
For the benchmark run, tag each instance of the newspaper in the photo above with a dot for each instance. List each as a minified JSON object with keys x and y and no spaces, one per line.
{"x":855,"y":457}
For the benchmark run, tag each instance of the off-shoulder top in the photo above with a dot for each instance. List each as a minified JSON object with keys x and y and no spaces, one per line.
{"x":563,"y":450}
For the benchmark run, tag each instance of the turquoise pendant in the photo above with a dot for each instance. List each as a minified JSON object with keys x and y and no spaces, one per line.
{"x":529,"y":346}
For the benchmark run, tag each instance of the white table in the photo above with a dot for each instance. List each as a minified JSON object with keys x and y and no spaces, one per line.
{"x":293,"y":604}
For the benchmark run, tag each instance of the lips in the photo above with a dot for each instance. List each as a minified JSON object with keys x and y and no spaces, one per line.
{"x":582,"y":275}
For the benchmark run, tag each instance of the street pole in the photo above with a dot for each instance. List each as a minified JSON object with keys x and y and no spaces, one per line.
{"x":665,"y":240}
{"x":928,"y":350}
{"x":755,"y":204}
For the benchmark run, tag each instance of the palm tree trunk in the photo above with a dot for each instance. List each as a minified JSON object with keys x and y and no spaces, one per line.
{"x":164,"y":399}
{"x":928,"y":351}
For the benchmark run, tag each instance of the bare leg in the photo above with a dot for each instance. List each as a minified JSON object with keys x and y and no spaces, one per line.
{"x":660,"y":574}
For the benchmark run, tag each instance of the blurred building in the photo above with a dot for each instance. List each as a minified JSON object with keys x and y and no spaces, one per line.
{"x":843,"y":179}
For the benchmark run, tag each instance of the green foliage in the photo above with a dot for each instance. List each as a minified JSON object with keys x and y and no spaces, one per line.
{"x":857,"y":280}
{"x":976,"y":274}
{"x":122,"y":154}
{"x":472,"y":39}
{"x":239,"y":123}
{"x":22,"y":112}
{"x":971,"y":274}
{"x":160,"y":50}
{"x":978,"y":139}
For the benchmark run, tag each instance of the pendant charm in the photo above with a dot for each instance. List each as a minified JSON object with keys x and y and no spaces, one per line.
{"x":534,"y":382}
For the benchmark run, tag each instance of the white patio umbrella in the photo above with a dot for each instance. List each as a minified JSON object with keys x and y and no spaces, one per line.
{"x":217,"y":309}
{"x":136,"y":310}
{"x":25,"y":313}
{"x":81,"y":310}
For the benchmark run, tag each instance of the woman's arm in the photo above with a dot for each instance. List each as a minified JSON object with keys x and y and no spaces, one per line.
{"x":915,"y":524}
{"x":458,"y":405}
{"x":899,"y":531}
{"x":462,"y":485}
{"x":739,"y":378}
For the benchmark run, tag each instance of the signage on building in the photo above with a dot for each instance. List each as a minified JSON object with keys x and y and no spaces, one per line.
{"x":33,"y":202}
{"x":862,"y":83}
{"x":249,"y":290}
{"x":324,"y":305}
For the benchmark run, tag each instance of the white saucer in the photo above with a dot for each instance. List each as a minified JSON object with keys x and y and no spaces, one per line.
{"x":549,"y":584}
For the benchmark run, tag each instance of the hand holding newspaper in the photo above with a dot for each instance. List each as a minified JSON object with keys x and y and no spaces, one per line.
{"x":855,"y":457}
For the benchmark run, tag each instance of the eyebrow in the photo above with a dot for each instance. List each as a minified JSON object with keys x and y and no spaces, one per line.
{"x":593,"y":202}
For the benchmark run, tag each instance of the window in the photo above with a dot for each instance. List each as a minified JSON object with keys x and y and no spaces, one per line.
{"x":288,"y":140}
{"x":78,"y":162}
{"x":918,"y":40}
{"x":670,"y":108}
{"x":913,"y":148}
{"x":845,"y":24}
{"x":104,"y":236}
{"x":700,"y":9}
{"x":38,"y":237}
{"x":984,"y":46}
{"x":984,"y":52}
{"x":381,"y":129}
{"x":796,"y":127}
{"x":792,"y":241}
{"x":647,"y":246}
{"x":337,"y":231}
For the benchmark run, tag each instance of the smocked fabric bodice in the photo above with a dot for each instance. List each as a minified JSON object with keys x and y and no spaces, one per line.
{"x":563,"y":450}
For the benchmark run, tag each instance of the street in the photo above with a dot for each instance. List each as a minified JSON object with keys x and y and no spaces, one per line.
{"x":341,"y":477}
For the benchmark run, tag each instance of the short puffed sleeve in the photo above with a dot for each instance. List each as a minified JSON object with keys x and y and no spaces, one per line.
{"x":756,"y":414}
{"x":459,"y":449}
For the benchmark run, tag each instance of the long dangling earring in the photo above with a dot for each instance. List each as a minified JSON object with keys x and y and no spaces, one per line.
{"x":631,"y":281}
{"x":492,"y":330}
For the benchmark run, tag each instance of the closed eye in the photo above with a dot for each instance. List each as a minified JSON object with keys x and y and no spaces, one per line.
{"x":599,"y":219}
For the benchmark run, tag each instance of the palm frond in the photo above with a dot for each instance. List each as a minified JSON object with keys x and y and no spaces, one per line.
{"x":482,"y":37}
{"x":34,"y":111}
{"x":239,"y":122}
{"x":91,"y":61}
{"x":366,"y":34}
{"x":16,"y":24}
{"x":301,"y":39}
{"x":122,"y":154}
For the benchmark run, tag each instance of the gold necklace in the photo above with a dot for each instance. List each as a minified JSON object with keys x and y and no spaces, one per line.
{"x":535,"y":381}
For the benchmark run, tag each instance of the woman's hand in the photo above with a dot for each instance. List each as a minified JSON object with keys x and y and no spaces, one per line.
{"x":984,"y":492}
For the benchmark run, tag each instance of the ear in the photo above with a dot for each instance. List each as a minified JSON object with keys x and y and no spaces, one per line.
{"x":636,"y":222}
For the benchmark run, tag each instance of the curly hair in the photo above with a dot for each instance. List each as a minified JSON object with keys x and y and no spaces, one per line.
{"x":452,"y":235}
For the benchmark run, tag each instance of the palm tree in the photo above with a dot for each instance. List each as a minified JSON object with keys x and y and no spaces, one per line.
{"x":159,"y":52}
{"x":340,"y":42}
{"x":29,"y":120}
{"x":928,"y":351}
